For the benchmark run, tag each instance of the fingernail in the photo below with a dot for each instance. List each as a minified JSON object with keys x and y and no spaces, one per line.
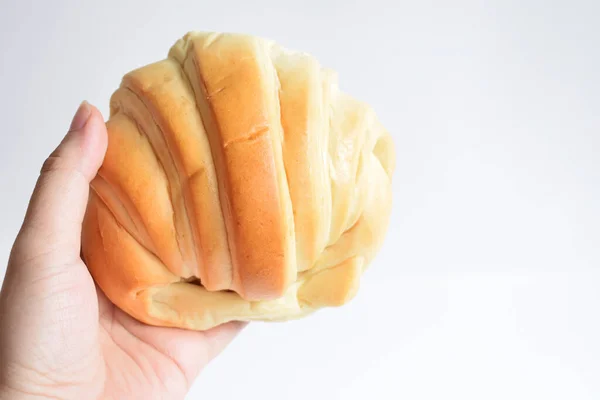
{"x":81,"y":116}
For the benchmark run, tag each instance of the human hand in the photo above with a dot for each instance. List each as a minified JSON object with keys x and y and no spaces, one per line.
{"x":60,"y":336}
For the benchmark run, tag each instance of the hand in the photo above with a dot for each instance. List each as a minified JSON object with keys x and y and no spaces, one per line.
{"x":60,"y":336}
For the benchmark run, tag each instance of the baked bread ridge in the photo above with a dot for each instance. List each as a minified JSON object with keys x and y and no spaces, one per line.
{"x":239,"y":183}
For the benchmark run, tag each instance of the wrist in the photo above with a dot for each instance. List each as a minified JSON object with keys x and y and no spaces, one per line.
{"x":18,"y":389}
{"x":9,"y":393}
{"x":21,"y":383}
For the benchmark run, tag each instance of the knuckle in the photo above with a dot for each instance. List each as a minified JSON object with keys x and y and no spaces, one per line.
{"x":59,"y":165}
{"x":52,"y":164}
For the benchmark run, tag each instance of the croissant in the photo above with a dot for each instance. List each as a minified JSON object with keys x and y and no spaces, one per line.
{"x":239,"y":183}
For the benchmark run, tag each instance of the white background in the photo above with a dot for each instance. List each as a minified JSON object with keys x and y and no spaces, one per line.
{"x":488,"y":284}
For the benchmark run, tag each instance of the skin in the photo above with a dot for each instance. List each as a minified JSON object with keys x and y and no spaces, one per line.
{"x":60,"y":337}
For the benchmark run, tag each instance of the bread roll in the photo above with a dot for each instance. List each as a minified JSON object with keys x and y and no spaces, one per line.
{"x":239,"y":183}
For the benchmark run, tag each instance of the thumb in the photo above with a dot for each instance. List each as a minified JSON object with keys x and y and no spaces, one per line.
{"x":52,"y":224}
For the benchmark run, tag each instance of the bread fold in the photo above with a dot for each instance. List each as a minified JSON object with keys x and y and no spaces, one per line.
{"x":239,"y":183}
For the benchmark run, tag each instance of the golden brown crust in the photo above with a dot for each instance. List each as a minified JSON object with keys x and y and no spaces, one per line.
{"x":236,"y":94}
{"x":239,"y":165}
{"x":171,"y":118}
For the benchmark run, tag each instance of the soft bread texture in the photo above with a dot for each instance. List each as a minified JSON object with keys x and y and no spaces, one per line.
{"x":239,"y":183}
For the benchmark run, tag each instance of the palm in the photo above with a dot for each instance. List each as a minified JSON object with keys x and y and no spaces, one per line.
{"x":152,"y":362}
{"x":60,"y":337}
{"x":92,"y":347}
{"x":160,"y":361}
